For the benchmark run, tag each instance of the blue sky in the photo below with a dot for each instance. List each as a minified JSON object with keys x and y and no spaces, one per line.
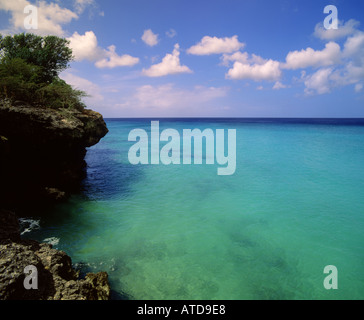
{"x":232,"y":58}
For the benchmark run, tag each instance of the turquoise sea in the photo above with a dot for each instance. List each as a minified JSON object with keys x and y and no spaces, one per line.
{"x":294,"y":205}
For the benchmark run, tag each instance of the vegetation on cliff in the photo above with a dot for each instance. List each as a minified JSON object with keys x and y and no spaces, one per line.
{"x":29,"y":72}
{"x":44,"y":132}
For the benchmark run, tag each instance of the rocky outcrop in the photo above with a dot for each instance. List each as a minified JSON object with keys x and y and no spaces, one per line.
{"x":42,"y":153}
{"x":42,"y":162}
{"x":56,"y":279}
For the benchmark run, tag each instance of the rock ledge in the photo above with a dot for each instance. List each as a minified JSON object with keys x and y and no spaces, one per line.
{"x":42,"y":153}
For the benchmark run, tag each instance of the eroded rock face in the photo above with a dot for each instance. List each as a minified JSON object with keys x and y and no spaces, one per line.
{"x":41,"y":162}
{"x":42,"y":153}
{"x":57,"y":280}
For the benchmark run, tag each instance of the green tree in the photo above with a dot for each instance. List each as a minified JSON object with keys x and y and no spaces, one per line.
{"x":52,"y":54}
{"x":29,"y":71}
{"x":18,"y":79}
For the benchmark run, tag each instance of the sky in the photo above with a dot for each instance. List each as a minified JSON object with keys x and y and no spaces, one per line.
{"x":215,"y":58}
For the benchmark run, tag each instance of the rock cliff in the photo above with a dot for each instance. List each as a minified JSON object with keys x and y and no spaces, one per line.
{"x":41,"y":162}
{"x":42,"y":153}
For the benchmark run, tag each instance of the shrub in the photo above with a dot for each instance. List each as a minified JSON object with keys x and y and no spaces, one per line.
{"x":59,"y":94}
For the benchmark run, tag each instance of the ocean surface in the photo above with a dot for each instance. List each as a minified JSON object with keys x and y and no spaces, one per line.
{"x":294,"y":206}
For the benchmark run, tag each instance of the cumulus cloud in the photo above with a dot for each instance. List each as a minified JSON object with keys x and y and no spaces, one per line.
{"x":213,"y":45}
{"x":170,"y":65}
{"x":354,"y":54}
{"x":242,"y":57}
{"x":349,"y":72}
{"x":343,"y":30}
{"x":354,"y":45}
{"x":269,"y":70}
{"x":319,"y":82}
{"x":113,"y":60}
{"x":85,"y":47}
{"x":150,"y":38}
{"x":334,"y":66}
{"x":309,"y":57}
{"x":51,"y":17}
{"x":251,"y":67}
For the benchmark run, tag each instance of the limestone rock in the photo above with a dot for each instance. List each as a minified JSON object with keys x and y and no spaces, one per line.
{"x":42,"y":153}
{"x":56,"y":278}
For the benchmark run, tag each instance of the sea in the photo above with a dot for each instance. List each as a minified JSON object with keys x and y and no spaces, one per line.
{"x":287,"y":225}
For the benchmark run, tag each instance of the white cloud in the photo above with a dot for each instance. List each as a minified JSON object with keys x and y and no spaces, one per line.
{"x":257,"y":59}
{"x":354,"y":45}
{"x":319,"y":82}
{"x":51,"y":17}
{"x":170,"y":65}
{"x":353,"y":73}
{"x":81,"y":5}
{"x":309,"y":57}
{"x":242,"y":57}
{"x":252,"y":67}
{"x":85,"y":47}
{"x":354,"y":53}
{"x":168,"y":98}
{"x":358,"y":87}
{"x":171,"y":33}
{"x":150,"y":38}
{"x":213,"y":45}
{"x":344,"y":30}
{"x":337,"y":68}
{"x":325,"y":80}
{"x":269,"y":70}
{"x":279,"y":85}
{"x":113,"y":60}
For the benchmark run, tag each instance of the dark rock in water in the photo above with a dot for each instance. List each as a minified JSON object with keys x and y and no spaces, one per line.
{"x":9,"y":226}
{"x":42,"y":153}
{"x":56,"y":278}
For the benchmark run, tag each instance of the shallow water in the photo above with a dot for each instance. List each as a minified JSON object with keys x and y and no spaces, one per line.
{"x":294,"y":205}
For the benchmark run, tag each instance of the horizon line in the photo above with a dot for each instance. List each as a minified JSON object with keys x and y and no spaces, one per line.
{"x":288,"y":118}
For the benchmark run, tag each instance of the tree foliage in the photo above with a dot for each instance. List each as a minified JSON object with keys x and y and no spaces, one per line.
{"x":29,"y":71}
{"x":52,"y":54}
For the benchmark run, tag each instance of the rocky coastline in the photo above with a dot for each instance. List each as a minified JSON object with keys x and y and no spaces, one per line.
{"x":41,"y":163}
